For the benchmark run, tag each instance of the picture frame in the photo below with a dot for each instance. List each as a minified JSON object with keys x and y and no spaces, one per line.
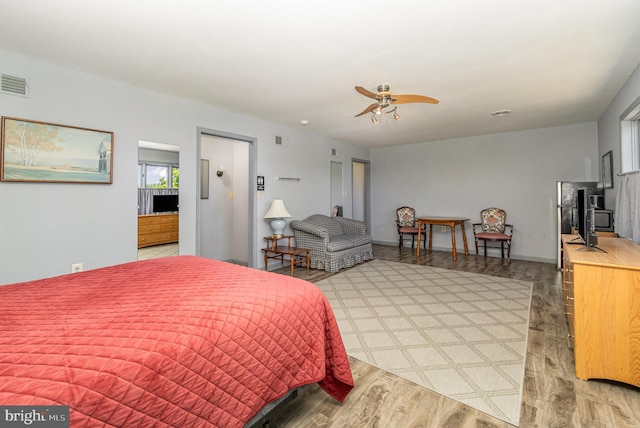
{"x":42,"y":152}
{"x":607,"y":170}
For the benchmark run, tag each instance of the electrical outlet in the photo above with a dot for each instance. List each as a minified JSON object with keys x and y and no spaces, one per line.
{"x":443,"y":228}
{"x":76,"y":267}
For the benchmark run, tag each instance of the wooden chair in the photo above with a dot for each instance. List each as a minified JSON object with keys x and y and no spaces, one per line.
{"x":406,"y":223}
{"x":493,"y":227}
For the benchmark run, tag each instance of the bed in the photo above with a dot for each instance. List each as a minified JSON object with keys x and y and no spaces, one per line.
{"x":179,"y":341}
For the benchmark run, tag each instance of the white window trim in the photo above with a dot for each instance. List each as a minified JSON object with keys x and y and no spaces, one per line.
{"x":630,"y":138}
{"x":143,"y":179}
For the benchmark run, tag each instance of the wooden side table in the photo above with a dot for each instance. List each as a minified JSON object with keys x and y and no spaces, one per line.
{"x":296,"y":255}
{"x":443,"y":221}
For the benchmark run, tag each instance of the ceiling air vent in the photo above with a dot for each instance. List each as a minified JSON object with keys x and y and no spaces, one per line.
{"x":12,"y":85}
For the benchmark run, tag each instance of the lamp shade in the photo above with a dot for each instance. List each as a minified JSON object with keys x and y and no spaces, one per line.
{"x":277,"y":210}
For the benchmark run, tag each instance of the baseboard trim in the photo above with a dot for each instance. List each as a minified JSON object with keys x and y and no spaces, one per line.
{"x":461,"y":250}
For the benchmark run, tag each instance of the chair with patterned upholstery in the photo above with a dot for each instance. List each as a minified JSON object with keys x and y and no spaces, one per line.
{"x":335,"y":242}
{"x":406,"y":223}
{"x":493,"y":227}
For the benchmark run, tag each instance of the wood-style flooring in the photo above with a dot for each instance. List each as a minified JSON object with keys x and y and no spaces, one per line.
{"x":552,"y":395}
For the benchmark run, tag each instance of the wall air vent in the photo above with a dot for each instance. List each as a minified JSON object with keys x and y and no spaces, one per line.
{"x":282,"y":141}
{"x":12,"y":85}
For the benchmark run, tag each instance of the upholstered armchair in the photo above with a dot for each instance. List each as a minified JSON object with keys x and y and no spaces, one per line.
{"x":493,"y":227}
{"x":335,"y":242}
{"x":406,"y":223}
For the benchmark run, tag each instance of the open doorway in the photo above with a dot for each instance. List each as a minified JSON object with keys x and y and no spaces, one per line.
{"x":158,"y":199}
{"x":225,"y":225}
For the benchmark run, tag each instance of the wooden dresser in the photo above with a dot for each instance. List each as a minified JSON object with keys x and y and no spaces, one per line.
{"x":156,"y":229}
{"x":601,"y":297}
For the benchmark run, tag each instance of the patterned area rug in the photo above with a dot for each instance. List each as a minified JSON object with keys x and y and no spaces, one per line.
{"x":460,"y":334}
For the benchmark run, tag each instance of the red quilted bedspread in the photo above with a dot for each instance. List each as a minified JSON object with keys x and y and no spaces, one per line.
{"x":181,"y":341}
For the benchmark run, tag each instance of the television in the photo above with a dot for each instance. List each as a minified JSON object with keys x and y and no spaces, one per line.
{"x":604,"y":220}
{"x":586,"y":219}
{"x":165,"y":203}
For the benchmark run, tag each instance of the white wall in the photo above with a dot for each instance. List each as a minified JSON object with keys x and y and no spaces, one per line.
{"x":310,"y":160}
{"x":609,"y":129}
{"x":515,"y":171}
{"x":46,"y":227}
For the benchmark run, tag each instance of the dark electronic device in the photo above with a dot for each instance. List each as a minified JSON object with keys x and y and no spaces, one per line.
{"x":165,"y":203}
{"x":586,"y":216}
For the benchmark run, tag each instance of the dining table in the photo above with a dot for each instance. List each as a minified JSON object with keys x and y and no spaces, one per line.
{"x":450,"y":222}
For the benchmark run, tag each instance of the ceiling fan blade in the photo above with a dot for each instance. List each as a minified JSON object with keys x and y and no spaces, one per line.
{"x":367,"y":110}
{"x":408,"y":98}
{"x":366,"y":93}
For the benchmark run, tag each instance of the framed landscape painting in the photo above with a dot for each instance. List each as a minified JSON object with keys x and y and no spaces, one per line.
{"x":35,"y":151}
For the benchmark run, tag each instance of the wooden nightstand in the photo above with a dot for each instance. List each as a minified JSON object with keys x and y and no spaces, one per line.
{"x":296,"y":255}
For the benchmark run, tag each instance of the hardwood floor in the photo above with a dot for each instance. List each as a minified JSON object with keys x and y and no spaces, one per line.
{"x":552,"y":395}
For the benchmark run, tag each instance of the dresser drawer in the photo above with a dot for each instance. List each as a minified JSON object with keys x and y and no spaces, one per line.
{"x":157,"y":229}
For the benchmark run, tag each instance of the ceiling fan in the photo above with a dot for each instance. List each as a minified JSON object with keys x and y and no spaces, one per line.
{"x":384,"y":99}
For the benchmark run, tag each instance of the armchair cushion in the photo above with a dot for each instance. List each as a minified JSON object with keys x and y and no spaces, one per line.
{"x":493,"y":220}
{"x":311,"y":228}
{"x":329,"y":224}
{"x":339,"y":242}
{"x":335,"y":242}
{"x":350,"y":226}
{"x":493,"y":236}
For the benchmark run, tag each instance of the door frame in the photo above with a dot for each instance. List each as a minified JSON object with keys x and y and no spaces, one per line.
{"x":252,"y":216}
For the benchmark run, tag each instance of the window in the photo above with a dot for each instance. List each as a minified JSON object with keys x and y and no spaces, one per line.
{"x":155,"y":176}
{"x":630,"y":134}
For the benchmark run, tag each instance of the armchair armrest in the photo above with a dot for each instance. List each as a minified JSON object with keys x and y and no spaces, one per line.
{"x":352,"y":227}
{"x":476,"y":227}
{"x":508,"y":228}
{"x":312,"y":229}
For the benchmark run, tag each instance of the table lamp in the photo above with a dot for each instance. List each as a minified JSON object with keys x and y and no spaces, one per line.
{"x":277,"y":212}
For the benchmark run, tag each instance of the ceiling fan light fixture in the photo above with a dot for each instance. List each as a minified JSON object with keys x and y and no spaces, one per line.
{"x":385,"y":102}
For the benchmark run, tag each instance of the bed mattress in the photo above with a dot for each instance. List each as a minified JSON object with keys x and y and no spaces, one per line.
{"x":179,"y":341}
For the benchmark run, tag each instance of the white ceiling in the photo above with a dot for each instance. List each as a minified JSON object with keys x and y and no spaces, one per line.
{"x":552,"y":62}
